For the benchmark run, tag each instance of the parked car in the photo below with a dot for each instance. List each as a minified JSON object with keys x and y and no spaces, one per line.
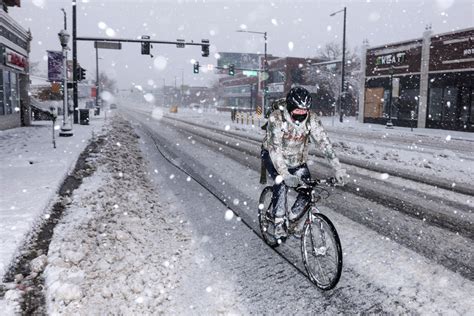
{"x":195,"y":106}
{"x":113,"y":106}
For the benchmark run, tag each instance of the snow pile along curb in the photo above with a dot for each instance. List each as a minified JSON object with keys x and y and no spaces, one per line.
{"x":116,"y":250}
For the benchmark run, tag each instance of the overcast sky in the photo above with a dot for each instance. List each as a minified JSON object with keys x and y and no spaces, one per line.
{"x":295,"y":28}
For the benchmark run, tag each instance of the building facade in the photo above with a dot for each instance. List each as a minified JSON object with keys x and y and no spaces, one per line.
{"x":14,"y":77}
{"x":427,"y":82}
{"x":240,"y":91}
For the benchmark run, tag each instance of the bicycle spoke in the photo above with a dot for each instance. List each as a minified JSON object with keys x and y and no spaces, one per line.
{"x":321,"y":253}
{"x":315,"y":254}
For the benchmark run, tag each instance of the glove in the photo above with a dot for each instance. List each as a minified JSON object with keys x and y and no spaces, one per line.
{"x":291,"y":180}
{"x":341,"y":175}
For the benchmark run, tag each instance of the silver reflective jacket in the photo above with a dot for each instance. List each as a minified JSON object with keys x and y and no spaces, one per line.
{"x":287,"y":142}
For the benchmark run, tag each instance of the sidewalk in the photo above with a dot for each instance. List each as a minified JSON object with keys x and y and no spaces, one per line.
{"x":31,"y":172}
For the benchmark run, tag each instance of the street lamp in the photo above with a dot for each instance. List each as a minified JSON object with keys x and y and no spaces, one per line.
{"x":343,"y":97}
{"x":265,"y":66}
{"x":66,"y":128}
{"x":389,"y":122}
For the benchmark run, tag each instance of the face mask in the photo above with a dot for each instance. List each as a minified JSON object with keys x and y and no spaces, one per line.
{"x":299,"y":117}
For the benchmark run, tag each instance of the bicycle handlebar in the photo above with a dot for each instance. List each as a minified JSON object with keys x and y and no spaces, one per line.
{"x":311,"y":183}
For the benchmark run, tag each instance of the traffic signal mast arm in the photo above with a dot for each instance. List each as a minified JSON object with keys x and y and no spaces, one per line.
{"x":204,"y":43}
{"x":128,"y":40}
{"x":243,"y":69}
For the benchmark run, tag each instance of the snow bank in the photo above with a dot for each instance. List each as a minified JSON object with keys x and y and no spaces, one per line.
{"x":117,"y":250}
{"x":31,"y":172}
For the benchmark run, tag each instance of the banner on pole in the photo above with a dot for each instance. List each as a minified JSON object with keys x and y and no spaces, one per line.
{"x":55,"y":66}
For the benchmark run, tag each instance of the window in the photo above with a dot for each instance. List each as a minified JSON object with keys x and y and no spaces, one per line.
{"x":436,"y":104}
{"x":14,"y":86}
{"x":7,"y":92}
{"x":2,"y":95}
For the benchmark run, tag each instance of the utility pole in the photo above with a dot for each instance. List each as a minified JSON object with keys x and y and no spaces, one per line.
{"x":343,"y":92}
{"x":74,"y":62}
{"x":342,"y":96}
{"x":182,"y":86}
{"x":97,"y":84}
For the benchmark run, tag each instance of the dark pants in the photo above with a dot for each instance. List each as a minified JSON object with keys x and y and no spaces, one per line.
{"x":280,"y":191}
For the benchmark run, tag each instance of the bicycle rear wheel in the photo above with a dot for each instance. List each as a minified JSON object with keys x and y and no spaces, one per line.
{"x":265,"y":217}
{"x":321,"y":251}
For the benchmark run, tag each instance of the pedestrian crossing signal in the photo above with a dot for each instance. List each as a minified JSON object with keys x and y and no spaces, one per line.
{"x":196,"y":67}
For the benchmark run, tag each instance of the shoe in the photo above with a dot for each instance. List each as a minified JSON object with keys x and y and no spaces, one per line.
{"x":280,"y":228}
{"x":297,"y":227}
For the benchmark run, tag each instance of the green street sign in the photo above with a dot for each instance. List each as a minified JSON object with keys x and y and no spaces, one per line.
{"x":250,"y":73}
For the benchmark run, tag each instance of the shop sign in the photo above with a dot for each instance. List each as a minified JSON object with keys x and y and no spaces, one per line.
{"x":275,"y":87}
{"x":452,"y":51}
{"x":390,"y":59}
{"x":15,"y":60}
{"x":468,"y":51}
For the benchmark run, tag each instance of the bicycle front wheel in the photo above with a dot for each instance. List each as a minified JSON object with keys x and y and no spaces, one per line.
{"x":265,"y":217}
{"x":321,"y":251}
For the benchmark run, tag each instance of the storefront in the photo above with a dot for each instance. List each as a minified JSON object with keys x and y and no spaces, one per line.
{"x":401,"y":88}
{"x":451,"y":81}
{"x":14,"y":78}
{"x":392,"y":84}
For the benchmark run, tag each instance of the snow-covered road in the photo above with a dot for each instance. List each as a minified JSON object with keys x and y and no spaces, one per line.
{"x":167,"y":223}
{"x":386,"y":268}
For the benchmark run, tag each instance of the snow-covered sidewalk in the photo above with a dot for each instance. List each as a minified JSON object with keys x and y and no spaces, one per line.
{"x":31,"y":172}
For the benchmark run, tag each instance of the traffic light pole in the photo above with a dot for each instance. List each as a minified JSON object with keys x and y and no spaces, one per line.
{"x":74,"y":63}
{"x":97,"y":84}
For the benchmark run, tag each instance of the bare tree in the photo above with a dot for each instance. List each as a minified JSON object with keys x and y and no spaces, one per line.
{"x":327,"y":77}
{"x":107,"y":83}
{"x":330,"y":51}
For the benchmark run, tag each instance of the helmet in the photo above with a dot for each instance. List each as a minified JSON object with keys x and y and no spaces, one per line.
{"x":298,"y":102}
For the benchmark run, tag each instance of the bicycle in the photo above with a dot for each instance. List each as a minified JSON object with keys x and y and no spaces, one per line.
{"x":320,"y":245}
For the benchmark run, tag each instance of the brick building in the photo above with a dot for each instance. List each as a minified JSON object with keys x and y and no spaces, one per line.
{"x":428,"y":82}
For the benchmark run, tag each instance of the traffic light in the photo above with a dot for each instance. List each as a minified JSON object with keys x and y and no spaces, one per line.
{"x":196,"y":67}
{"x":145,"y":45}
{"x":346,"y":85}
{"x":145,"y":48}
{"x":231,"y":70}
{"x":205,"y":48}
{"x":80,"y":74}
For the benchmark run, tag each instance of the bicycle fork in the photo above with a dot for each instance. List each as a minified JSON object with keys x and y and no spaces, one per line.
{"x":317,"y":250}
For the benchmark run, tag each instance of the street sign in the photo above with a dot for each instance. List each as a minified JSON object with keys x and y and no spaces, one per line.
{"x":108,"y":45}
{"x":250,"y":73}
{"x":180,"y":44}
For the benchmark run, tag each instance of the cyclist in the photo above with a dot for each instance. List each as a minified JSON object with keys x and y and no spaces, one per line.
{"x":285,"y":152}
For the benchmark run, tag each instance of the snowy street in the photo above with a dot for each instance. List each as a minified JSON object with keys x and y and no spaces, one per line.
{"x":236,"y":157}
{"x":390,"y":256}
{"x":165,"y":220}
